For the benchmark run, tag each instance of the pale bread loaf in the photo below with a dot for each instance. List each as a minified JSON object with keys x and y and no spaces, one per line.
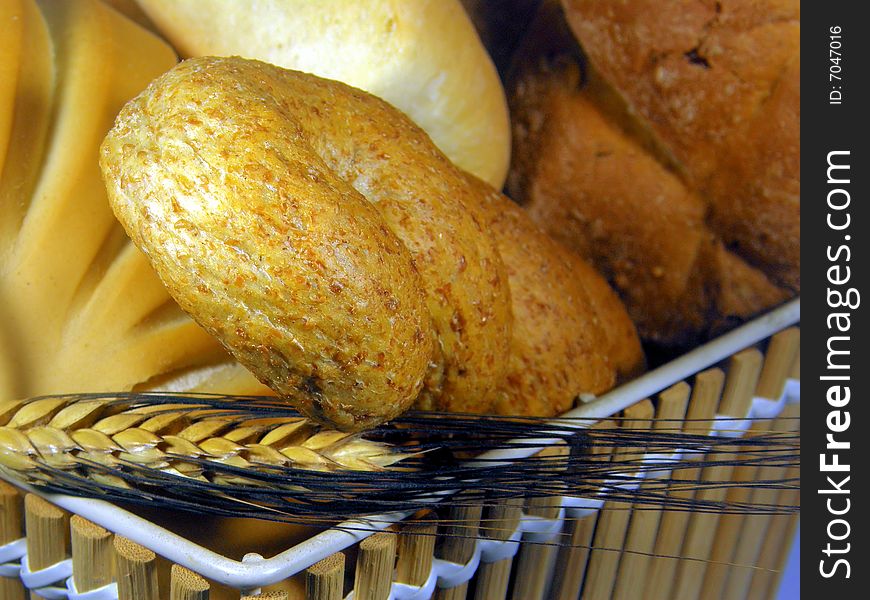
{"x":423,"y":57}
{"x":80,"y":308}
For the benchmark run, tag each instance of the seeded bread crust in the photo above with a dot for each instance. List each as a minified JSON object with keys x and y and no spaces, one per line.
{"x":298,"y":220}
{"x":571,"y":334}
{"x":320,"y":235}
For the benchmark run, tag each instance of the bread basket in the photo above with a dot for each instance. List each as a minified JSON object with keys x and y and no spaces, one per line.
{"x":544,"y":548}
{"x":762,"y":543}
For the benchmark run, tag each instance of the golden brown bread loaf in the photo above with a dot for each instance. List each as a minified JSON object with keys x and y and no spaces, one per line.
{"x":256,"y":193}
{"x":80,"y":308}
{"x":391,"y":161}
{"x":605,"y":183}
{"x":276,"y":251}
{"x":571,"y":334}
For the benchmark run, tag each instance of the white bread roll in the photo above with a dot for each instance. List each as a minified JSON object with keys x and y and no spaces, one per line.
{"x":422,"y":56}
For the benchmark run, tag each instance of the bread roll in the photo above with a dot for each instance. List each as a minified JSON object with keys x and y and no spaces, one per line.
{"x":283,"y":210}
{"x":571,"y":334}
{"x":718,"y":84}
{"x":80,"y":308}
{"x":424,"y":57}
{"x":132,"y":11}
{"x":268,"y":199}
{"x":597,"y":179}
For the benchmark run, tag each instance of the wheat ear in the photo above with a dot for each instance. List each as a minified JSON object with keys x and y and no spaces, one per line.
{"x":248,"y":456}
{"x":102,"y":436}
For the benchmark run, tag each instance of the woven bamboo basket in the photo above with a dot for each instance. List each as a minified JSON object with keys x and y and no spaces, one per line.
{"x":64,"y":547}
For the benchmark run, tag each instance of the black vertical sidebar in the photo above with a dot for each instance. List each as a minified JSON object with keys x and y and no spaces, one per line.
{"x":835,"y":360}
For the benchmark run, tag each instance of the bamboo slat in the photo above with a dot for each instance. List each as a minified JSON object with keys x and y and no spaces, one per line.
{"x":783,"y":551}
{"x":795,"y":371}
{"x":325,"y":580}
{"x":47,"y":529}
{"x":614,"y":518}
{"x":500,"y":521}
{"x":10,"y":530}
{"x":374,"y":568}
{"x":777,"y":541}
{"x":415,"y":551}
{"x":534,"y":561}
{"x":721,"y":578}
{"x":791,"y":498}
{"x":755,"y":528}
{"x":728,"y":532}
{"x":572,"y":559}
{"x":458,"y":533}
{"x":744,"y":369}
{"x":779,"y":358}
{"x":136,"y":571}
{"x":268,"y":596}
{"x":640,"y":538}
{"x":672,"y":527}
{"x":184,"y":584}
{"x":92,"y":558}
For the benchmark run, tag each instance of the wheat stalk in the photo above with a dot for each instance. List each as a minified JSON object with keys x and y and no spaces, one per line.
{"x":256,"y":457}
{"x":101,"y":437}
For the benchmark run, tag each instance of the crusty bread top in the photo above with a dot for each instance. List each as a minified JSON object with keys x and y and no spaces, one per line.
{"x":719,"y":85}
{"x":265,"y":246}
{"x":596,"y":178}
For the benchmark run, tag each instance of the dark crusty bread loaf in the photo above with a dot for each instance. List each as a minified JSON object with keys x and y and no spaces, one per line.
{"x":718,"y":83}
{"x":606,"y":184}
